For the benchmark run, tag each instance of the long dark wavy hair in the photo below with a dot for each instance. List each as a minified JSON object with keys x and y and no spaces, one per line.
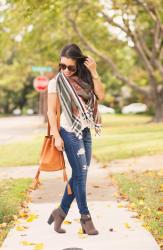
{"x":74,"y":52}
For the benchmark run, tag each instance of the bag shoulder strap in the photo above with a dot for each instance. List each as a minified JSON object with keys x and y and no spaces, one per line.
{"x":58,"y":116}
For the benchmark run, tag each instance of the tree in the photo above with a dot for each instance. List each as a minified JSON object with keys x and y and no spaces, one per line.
{"x":141,"y":22}
{"x":132,"y":57}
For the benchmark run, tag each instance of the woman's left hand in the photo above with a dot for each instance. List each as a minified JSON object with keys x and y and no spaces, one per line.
{"x":90,"y":64}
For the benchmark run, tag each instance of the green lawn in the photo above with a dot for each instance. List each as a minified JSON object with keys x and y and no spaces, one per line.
{"x":121,"y":137}
{"x":144,"y":192}
{"x":127,"y":136}
{"x":12,"y":193}
{"x":21,"y":153}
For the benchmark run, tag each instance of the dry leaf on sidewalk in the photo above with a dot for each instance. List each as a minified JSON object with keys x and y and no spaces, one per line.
{"x":127,"y":225}
{"x":21,"y":228}
{"x":32,"y":217}
{"x":67,"y":222}
{"x":80,"y":231}
{"x":2,"y":225}
{"x":39,"y":246}
{"x":81,"y":235}
{"x":120,"y":205}
{"x":27,"y":243}
{"x":161,"y":188}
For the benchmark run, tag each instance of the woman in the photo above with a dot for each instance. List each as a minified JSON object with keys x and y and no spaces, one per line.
{"x":78,"y":87}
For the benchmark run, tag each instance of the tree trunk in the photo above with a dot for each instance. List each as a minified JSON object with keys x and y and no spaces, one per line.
{"x":158,"y":110}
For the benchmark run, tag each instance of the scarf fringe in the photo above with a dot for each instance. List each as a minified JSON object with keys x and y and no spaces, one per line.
{"x":69,"y":191}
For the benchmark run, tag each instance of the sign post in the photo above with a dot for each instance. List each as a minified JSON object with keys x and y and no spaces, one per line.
{"x":40,"y":84}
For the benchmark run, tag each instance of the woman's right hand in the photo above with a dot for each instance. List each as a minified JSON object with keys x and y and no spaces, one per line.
{"x":59,"y":143}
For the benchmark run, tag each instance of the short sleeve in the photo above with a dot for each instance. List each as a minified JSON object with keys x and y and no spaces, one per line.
{"x":52,"y":86}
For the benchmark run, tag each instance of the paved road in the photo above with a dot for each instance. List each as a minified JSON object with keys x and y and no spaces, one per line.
{"x":106,"y":214}
{"x":20,"y":127}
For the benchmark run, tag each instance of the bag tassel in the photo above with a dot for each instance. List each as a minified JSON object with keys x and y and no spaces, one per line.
{"x":69,"y":191}
{"x":36,"y":182}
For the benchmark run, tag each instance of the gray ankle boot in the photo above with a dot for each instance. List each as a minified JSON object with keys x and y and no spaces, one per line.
{"x":58,"y":216}
{"x":87,"y":224}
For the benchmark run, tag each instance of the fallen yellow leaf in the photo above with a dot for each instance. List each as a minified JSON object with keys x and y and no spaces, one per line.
{"x":160,"y":173}
{"x":141,"y":202}
{"x":133,"y":205}
{"x":21,"y":228}
{"x":80,"y":231}
{"x":15,"y":217}
{"x":161,"y":188}
{"x":67,"y":222}
{"x":17,"y":222}
{"x":145,"y":225}
{"x":39,"y":246}
{"x":115,"y":194}
{"x":120,"y":205}
{"x":32,"y":217}
{"x":127,"y":225}
{"x":23,"y":214}
{"x":3,"y":225}
{"x":27,"y":243}
{"x":82,"y":236}
{"x":142,"y":217}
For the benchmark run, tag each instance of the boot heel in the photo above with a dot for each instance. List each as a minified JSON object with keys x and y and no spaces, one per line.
{"x":82,"y":227}
{"x":50,"y":220}
{"x":83,"y":230}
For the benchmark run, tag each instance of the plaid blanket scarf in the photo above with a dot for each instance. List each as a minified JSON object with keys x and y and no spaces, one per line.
{"x":78,"y":99}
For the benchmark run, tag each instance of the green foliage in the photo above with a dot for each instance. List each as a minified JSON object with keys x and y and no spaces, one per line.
{"x":12,"y":193}
{"x":42,"y":28}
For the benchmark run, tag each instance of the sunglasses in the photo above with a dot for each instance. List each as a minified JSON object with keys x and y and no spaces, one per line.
{"x":69,"y":67}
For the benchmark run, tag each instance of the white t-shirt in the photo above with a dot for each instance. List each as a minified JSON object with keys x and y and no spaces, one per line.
{"x":52,"y":88}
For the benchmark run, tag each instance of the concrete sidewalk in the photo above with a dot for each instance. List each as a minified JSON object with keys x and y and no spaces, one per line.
{"x":118,"y":229}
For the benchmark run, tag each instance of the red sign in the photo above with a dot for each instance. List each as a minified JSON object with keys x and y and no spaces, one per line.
{"x":40,"y":83}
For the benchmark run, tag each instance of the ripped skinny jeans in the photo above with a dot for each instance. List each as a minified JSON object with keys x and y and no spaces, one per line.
{"x":78,"y":152}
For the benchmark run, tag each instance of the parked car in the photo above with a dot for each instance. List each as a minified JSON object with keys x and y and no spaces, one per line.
{"x":134,"y":108}
{"x":30,"y":111}
{"x":17,"y":111}
{"x":104,"y":109}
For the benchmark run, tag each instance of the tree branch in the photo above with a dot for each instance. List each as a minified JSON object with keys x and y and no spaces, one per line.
{"x":138,"y":46}
{"x":108,"y":60}
{"x":151,"y":11}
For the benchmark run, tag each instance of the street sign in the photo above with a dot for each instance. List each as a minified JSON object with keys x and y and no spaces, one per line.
{"x":40,"y":83}
{"x":42,"y":68}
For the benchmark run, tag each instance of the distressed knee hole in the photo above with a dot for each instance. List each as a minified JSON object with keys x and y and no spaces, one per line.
{"x":81,"y":151}
{"x":84,"y":167}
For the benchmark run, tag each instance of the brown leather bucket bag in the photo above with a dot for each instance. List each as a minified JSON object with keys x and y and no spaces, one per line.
{"x":51,"y":159}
